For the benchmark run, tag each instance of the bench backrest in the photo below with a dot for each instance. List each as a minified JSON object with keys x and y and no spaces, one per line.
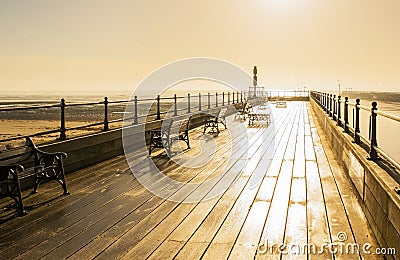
{"x":222,"y":113}
{"x":26,"y":155}
{"x":248,"y":108}
{"x":179,"y":126}
{"x":240,"y":107}
{"x":18,"y":155}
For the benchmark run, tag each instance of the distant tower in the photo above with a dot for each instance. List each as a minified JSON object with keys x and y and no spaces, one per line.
{"x":255,"y":80}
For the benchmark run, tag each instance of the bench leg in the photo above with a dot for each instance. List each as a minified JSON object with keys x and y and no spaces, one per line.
{"x":167,"y":146}
{"x":18,"y":200}
{"x":151,"y":143}
{"x":63,"y":183}
{"x":61,"y":179}
{"x":58,"y":175}
{"x":185,"y":137}
{"x":36,"y":184}
{"x":10,"y":186}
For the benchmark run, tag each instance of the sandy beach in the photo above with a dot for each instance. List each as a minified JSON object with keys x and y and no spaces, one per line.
{"x":16,"y":128}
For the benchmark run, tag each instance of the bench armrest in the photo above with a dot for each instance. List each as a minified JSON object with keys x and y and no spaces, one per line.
{"x":5,"y":170}
{"x":59,"y":154}
{"x":37,"y":150}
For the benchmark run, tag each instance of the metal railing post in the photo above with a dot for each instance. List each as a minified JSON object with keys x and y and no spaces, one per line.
{"x":339,"y":112}
{"x":223,"y":98}
{"x":330,"y":105}
{"x":208,"y":97}
{"x":334,"y":108}
{"x":135,"y":116}
{"x":373,"y":154}
{"x":228,"y":98}
{"x":199,"y":101}
{"x":105,"y":128}
{"x":216,"y":99}
{"x":63,"y":135}
{"x":188,"y":108}
{"x":158,"y":108}
{"x":175,"y":106}
{"x":357,"y":122}
{"x":241,"y":96}
{"x":328,"y":102}
{"x":346,"y":114}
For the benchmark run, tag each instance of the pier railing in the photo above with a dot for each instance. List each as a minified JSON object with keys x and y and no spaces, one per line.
{"x":108,"y":111}
{"x":343,"y":111}
{"x":286,"y":93}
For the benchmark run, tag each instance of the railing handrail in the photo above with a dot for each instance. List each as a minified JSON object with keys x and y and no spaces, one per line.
{"x":324,"y":100}
{"x":240,"y":97}
{"x":378,"y":112}
{"x":387,"y":115}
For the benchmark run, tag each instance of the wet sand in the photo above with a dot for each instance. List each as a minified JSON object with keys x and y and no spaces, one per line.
{"x":19,"y":128}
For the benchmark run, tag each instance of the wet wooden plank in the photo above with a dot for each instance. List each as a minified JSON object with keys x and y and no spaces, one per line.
{"x":274,"y":229}
{"x":145,"y":247}
{"x":103,"y":174}
{"x":360,"y":229}
{"x":198,"y":243}
{"x":296,"y":225}
{"x":113,"y":235}
{"x":78,"y":213}
{"x":303,"y":198}
{"x":115,"y":249}
{"x":337,"y":217}
{"x":249,"y":239}
{"x":226,"y":240}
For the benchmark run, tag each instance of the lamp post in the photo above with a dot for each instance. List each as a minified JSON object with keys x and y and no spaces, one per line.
{"x":255,"y":80}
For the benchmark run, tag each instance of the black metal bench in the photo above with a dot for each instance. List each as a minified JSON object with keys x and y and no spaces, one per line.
{"x":17,"y":165}
{"x":241,"y":110}
{"x":213,"y":120}
{"x":281,"y":104}
{"x":171,"y":131}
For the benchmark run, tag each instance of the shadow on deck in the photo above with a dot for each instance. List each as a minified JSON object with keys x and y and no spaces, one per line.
{"x":302,"y":199}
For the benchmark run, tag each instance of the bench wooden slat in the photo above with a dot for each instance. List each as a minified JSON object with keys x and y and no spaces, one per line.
{"x":171,"y":131}
{"x":213,"y":120}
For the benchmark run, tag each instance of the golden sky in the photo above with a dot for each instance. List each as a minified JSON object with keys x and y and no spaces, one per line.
{"x":103,"y":45}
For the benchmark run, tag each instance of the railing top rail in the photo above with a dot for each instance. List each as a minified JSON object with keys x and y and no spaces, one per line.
{"x":84,"y":104}
{"x":28,"y":107}
{"x":387,"y":115}
{"x":364,"y":108}
{"x":371,"y":141}
{"x":360,"y":106}
{"x":120,"y":101}
{"x":381,"y":113}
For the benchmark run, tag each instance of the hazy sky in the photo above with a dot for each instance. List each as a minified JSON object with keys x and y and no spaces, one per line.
{"x":104,"y":45}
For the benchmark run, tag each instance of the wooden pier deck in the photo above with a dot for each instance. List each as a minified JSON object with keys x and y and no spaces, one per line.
{"x":303,"y":199}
